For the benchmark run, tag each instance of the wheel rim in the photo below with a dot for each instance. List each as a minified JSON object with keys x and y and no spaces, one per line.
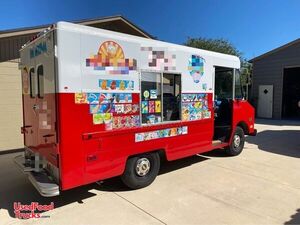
{"x":142,"y":167}
{"x":236,"y":141}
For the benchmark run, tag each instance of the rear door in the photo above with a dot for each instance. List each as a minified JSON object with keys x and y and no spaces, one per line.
{"x":29,"y":86}
{"x":40,"y":102}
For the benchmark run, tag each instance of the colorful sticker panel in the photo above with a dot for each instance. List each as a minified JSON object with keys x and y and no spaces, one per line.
{"x":81,"y":98}
{"x":164,"y":133}
{"x":103,"y":108}
{"x":122,"y":98}
{"x":194,"y":97}
{"x":110,"y":58}
{"x":144,"y":107}
{"x":101,"y":118}
{"x":153,"y":94}
{"x":126,"y":108}
{"x":120,"y":122}
{"x":157,"y":106}
{"x":195,"y":107}
{"x":116,"y":84}
{"x":114,"y":110}
{"x":196,"y":67}
{"x":153,"y":119}
{"x":105,"y":98}
{"x":151,"y":106}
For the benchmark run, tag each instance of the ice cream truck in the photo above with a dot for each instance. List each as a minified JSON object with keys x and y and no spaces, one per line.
{"x":99,"y":104}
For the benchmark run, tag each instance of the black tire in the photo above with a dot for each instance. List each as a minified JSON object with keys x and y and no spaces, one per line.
{"x":132,"y":179}
{"x":234,"y":148}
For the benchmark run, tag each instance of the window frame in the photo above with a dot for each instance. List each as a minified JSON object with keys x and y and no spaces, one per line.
{"x":232,"y":83}
{"x":237,"y":74}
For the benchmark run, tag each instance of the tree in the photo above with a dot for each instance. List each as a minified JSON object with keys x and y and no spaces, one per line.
{"x":215,"y":45}
{"x":224,"y":46}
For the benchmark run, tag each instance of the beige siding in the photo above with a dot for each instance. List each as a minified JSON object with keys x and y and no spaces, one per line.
{"x":10,"y":106}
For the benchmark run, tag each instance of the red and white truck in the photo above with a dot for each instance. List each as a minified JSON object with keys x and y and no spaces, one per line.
{"x":99,"y":104}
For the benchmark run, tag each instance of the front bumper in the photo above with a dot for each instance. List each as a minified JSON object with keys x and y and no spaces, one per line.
{"x":40,"y":180}
{"x":254,"y":133}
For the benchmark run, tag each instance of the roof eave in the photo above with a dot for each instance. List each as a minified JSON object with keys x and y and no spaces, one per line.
{"x":37,"y":29}
{"x":275,"y":50}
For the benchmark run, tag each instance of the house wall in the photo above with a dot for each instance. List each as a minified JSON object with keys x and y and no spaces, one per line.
{"x":9,"y":46}
{"x":10,"y":106}
{"x":269,"y":71}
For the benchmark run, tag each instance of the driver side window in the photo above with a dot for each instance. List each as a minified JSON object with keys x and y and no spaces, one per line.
{"x":223,"y":83}
{"x":238,"y":86}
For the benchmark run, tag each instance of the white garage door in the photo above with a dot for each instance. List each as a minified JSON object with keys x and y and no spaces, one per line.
{"x":10,"y":106}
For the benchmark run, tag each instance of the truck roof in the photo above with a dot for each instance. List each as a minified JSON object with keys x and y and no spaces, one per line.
{"x":131,"y":38}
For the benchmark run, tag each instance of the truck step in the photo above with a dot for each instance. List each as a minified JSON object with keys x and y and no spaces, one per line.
{"x":216,"y":142}
{"x":40,"y":180}
{"x":45,"y":186}
{"x":20,"y":161}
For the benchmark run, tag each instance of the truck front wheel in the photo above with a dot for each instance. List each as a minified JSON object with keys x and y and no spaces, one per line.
{"x":141,"y":170}
{"x":237,"y":144}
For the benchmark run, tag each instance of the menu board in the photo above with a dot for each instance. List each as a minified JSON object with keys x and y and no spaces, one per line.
{"x":151,"y":106}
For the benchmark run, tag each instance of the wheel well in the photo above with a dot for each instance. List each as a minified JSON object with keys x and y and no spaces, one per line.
{"x":244,"y":126}
{"x":161,"y":152}
{"x":162,"y":155}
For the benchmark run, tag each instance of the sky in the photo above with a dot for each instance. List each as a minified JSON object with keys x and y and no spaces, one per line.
{"x":253,"y":26}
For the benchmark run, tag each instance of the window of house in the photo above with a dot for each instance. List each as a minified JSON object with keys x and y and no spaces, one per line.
{"x":40,"y":76}
{"x":160,"y":97}
{"x":32,"y":79}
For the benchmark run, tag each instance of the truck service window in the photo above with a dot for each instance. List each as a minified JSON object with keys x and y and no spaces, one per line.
{"x":32,"y":79}
{"x":151,"y":108}
{"x":40,"y":76}
{"x":157,"y":107}
{"x":171,"y":97}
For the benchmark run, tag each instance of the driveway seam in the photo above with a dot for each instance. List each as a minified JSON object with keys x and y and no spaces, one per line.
{"x":141,"y":209}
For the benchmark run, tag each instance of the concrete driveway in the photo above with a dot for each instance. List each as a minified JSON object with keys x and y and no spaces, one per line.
{"x":261,"y":186}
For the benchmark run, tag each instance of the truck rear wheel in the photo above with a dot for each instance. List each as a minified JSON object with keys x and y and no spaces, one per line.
{"x":237,"y":144}
{"x":141,"y":170}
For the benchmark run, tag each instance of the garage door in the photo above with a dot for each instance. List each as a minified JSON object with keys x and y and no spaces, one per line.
{"x":10,"y":106}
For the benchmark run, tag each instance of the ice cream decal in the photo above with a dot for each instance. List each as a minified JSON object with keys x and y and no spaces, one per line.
{"x":111,"y":59}
{"x":196,"y":67}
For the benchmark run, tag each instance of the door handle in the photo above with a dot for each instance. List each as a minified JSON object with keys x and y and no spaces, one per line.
{"x":48,"y":135}
{"x":23,"y":129}
{"x":35,"y":107}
